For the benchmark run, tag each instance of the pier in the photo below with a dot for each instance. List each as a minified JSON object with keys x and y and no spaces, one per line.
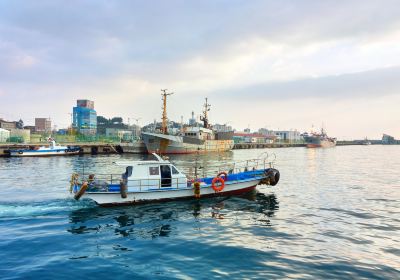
{"x":93,"y":148}
{"x":238,"y":146}
{"x":85,"y":148}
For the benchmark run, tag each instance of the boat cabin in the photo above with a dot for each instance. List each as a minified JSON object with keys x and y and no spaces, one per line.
{"x":152,"y":175}
{"x":198,"y":133}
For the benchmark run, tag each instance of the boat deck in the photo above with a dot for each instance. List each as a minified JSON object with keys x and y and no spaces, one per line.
{"x":151,"y":185}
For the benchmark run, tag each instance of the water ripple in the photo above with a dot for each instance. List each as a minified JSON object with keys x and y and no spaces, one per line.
{"x":322,"y":221}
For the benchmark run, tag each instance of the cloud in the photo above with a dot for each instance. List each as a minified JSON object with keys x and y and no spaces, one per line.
{"x":120,"y":53}
{"x":378,"y":82}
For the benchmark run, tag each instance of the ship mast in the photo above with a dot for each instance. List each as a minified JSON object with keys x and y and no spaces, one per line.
{"x":164,"y":127}
{"x":204,"y":118}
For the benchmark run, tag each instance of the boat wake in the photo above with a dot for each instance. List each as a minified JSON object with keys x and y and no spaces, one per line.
{"x":43,"y":208}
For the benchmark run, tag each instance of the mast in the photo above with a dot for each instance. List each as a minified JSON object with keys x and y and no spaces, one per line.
{"x":204,"y":118}
{"x":164,"y":127}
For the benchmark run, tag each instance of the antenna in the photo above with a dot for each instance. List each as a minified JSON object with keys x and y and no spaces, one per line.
{"x":205,"y":117}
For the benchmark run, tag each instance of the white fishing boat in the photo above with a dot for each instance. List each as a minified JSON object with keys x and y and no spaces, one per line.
{"x":160,"y":180}
{"x":53,"y":149}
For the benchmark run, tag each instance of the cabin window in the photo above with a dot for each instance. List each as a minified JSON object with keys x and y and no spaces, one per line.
{"x":174,"y":171}
{"x":154,"y":171}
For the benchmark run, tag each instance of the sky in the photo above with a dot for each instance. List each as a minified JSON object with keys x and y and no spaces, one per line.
{"x":275,"y":64}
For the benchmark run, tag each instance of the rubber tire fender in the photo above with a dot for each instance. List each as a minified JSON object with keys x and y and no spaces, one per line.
{"x":275,"y":177}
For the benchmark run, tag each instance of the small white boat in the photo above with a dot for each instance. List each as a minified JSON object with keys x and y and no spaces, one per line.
{"x":53,"y":149}
{"x":160,"y":180}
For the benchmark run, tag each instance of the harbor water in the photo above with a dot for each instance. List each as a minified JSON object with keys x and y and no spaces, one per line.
{"x":335,"y":214}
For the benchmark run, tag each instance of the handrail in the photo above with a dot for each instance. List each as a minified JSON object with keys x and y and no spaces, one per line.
{"x":141,"y":184}
{"x":210,"y":171}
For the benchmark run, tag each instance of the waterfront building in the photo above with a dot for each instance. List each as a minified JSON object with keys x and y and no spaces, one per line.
{"x":85,"y":117}
{"x":243,"y":137}
{"x":85,"y":103}
{"x":31,"y":128}
{"x":192,"y":120}
{"x":288,"y":136}
{"x":222,"y":128}
{"x":23,"y":135}
{"x":130,"y":133}
{"x":7,"y":125}
{"x":266,"y":132}
{"x":42,"y":125}
{"x":4,"y":135}
{"x":122,"y":134}
{"x":387,"y":139}
{"x":136,"y":130}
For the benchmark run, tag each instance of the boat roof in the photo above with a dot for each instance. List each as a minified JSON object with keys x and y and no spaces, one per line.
{"x":197,"y":129}
{"x":142,"y":162}
{"x":133,"y":163}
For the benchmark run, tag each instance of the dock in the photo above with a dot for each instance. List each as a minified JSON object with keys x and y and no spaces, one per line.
{"x":93,"y":148}
{"x":238,"y":146}
{"x":85,"y":148}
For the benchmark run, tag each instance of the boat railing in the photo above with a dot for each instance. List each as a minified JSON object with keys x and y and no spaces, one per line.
{"x":211,"y":170}
{"x":110,"y":182}
{"x":153,"y":184}
{"x":247,"y":165}
{"x":109,"y":178}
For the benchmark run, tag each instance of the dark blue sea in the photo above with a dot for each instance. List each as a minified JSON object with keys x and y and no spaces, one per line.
{"x":335,"y":214}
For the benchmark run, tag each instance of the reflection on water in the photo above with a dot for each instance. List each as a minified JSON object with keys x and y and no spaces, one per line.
{"x":334,"y":214}
{"x":155,"y":220}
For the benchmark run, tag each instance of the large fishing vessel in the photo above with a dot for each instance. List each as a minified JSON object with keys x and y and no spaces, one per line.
{"x":160,"y":180}
{"x":191,"y":139}
{"x":319,"y":140}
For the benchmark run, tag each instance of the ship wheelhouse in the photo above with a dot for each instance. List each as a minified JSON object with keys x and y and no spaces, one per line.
{"x":150,"y":175}
{"x":200,"y":133}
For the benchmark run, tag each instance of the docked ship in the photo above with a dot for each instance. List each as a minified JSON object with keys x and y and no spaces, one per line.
{"x":319,"y":140}
{"x":53,"y":149}
{"x":366,"y":142}
{"x":191,"y":139}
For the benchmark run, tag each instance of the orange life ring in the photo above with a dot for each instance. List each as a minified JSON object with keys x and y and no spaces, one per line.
{"x":218,"y":188}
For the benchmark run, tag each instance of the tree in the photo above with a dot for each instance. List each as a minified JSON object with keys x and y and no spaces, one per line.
{"x":116,"y":120}
{"x":102,"y":120}
{"x":20,"y":124}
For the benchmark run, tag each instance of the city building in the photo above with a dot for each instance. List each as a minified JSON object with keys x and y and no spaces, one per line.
{"x":222,"y":128}
{"x":192,"y":120}
{"x":20,"y":135}
{"x":85,"y":103}
{"x":123,"y":135}
{"x":288,"y":136}
{"x":42,"y":125}
{"x":31,"y":128}
{"x":7,"y":125}
{"x":84,"y":117}
{"x":266,"y":132}
{"x":387,"y":139}
{"x":243,"y":137}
